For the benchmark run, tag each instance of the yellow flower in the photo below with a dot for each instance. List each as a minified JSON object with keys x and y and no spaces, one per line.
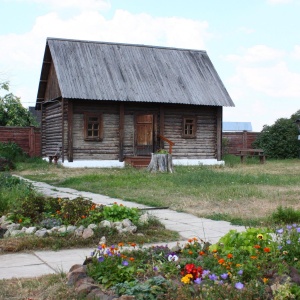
{"x":265,"y":280}
{"x":187,"y":278}
{"x":260,"y":236}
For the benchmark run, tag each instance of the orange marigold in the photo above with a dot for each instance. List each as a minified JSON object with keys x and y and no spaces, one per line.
{"x":221,"y":261}
{"x":256,"y":246}
{"x":267,"y":249}
{"x":229,"y":255}
{"x":201,"y":253}
{"x":253,"y":257}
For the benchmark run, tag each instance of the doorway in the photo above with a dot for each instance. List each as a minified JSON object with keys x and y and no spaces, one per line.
{"x":144,"y":135}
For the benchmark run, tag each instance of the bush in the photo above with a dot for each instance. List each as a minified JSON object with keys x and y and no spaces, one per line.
{"x":285,"y":215}
{"x":280,"y":140}
{"x":12,"y":189}
{"x":12,"y":152}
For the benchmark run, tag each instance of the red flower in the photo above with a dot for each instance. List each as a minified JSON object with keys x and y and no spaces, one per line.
{"x":267,"y":249}
{"x":256,"y":246}
{"x":229,"y":255}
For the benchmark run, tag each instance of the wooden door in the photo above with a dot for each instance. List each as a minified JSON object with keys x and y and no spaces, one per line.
{"x":144,"y":135}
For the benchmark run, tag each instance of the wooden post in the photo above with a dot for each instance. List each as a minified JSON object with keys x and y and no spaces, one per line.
{"x":161,"y":124}
{"x":62,"y":130}
{"x":219,"y":132}
{"x":70,"y":131}
{"x":121,"y":133}
{"x":161,"y":163}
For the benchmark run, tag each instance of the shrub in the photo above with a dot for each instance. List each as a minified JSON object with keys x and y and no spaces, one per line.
{"x":117,"y":212}
{"x":285,"y":215}
{"x":12,"y":152}
{"x":280,"y":139}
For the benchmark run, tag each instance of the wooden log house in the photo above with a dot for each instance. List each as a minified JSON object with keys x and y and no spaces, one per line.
{"x":108,"y":103}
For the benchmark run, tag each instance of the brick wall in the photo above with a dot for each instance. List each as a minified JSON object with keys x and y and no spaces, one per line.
{"x":27,"y":138}
{"x":239,"y":140}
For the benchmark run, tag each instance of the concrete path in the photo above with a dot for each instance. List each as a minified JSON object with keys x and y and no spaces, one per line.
{"x":37,"y":263}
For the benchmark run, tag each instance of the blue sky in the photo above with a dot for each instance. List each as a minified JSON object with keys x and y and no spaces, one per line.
{"x":253,"y":44}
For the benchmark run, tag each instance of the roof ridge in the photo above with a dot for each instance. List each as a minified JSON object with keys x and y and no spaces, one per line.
{"x":125,"y":44}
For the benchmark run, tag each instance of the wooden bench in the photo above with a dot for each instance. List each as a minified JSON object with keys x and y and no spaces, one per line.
{"x":252,"y":153}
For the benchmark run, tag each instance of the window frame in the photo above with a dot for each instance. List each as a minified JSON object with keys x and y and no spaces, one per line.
{"x":194,"y":127}
{"x":99,"y":116}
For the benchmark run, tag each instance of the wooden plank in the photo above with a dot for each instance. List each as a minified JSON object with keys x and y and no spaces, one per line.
{"x":219,"y":133}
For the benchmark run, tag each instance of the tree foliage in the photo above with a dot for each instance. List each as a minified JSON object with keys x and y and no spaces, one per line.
{"x":280,"y":139}
{"x":12,"y":113}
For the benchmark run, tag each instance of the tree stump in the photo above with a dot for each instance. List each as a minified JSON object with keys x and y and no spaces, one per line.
{"x":161,"y":163}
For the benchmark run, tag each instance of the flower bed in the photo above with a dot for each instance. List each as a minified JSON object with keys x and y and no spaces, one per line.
{"x":254,"y":264}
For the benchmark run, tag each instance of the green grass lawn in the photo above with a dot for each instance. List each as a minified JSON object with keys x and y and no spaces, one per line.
{"x":234,"y":191}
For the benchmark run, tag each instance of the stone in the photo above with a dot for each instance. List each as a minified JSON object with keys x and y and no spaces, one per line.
{"x":77,"y":266}
{"x":62,"y":229}
{"x":102,"y":240}
{"x":144,"y":219}
{"x":16,"y":232}
{"x":126,"y":223}
{"x":85,"y":288}
{"x":117,"y":224}
{"x":97,"y":294}
{"x":84,"y":280}
{"x":41,"y":233}
{"x":71,"y":228}
{"x":13,"y":226}
{"x":30,"y":230}
{"x":87,"y":233}
{"x":24,"y":229}
{"x":105,"y":223}
{"x":78,"y":232}
{"x":6,"y":234}
{"x":119,"y":229}
{"x":129,"y":229}
{"x":2,"y":232}
{"x":92,"y":226}
{"x":5,"y":224}
{"x":74,"y":276}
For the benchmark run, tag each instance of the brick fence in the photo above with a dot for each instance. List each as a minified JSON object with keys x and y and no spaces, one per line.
{"x":238,"y":140}
{"x":27,"y":138}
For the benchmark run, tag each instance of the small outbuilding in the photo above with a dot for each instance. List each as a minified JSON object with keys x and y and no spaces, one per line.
{"x":103,"y":104}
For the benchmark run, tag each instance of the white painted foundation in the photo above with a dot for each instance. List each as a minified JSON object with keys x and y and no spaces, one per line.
{"x":117,"y":164}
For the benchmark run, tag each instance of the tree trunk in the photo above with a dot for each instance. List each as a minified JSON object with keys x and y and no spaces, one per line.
{"x":161,"y":163}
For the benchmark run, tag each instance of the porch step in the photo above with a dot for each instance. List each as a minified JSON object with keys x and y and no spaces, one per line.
{"x":138,"y":161}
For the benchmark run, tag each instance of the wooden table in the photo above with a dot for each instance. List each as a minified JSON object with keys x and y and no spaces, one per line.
{"x":252,"y":153}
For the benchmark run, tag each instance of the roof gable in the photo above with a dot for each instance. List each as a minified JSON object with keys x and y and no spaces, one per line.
{"x":123,"y":72}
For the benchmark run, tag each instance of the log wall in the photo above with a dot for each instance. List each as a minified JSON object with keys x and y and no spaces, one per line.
{"x":204,"y":145}
{"x":51,"y":127}
{"x":27,"y":138}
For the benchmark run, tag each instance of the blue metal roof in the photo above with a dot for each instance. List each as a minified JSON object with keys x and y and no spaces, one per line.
{"x":237,"y":126}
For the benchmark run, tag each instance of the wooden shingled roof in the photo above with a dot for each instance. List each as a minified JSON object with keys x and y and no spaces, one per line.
{"x":124,"y":72}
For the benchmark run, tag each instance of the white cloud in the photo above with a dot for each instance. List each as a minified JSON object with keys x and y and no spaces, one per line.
{"x":296,"y":52}
{"x":79,"y":4}
{"x":279,"y":1}
{"x":24,"y":52}
{"x":246,"y":30}
{"x":256,"y":54}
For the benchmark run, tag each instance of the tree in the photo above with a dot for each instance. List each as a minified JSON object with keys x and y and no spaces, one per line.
{"x":12,"y":113}
{"x":280,"y":139}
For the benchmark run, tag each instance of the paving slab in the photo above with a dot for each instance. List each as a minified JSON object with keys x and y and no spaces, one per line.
{"x":37,"y":263}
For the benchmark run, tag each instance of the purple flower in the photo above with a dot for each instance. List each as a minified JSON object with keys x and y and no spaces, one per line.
{"x":101,"y":259}
{"x":125,"y":263}
{"x":221,"y":282}
{"x":289,"y":227}
{"x":197,"y":281}
{"x":93,"y":253}
{"x":213,"y":277}
{"x":155,"y":268}
{"x":224,"y":276}
{"x":298,"y":229}
{"x":205,"y":273}
{"x":240,"y":272}
{"x":279,"y":247}
{"x":294,"y":225}
{"x":288,"y":242}
{"x":239,"y":285}
{"x":279,"y":230}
